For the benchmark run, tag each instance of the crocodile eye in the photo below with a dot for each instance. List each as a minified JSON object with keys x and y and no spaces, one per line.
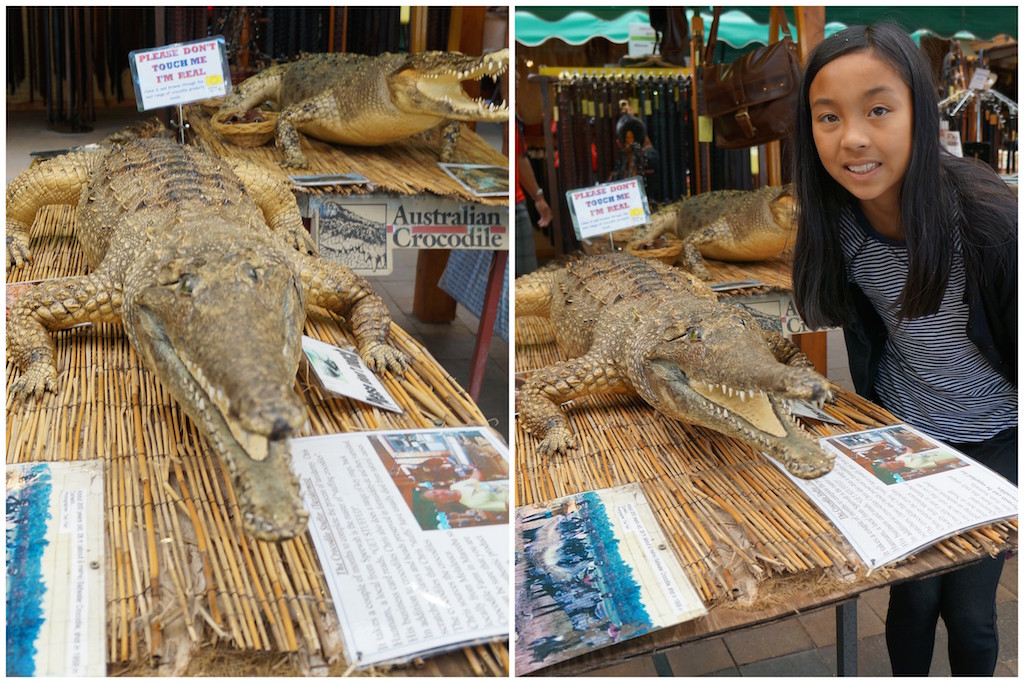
{"x":694,"y":333}
{"x":187,"y":283}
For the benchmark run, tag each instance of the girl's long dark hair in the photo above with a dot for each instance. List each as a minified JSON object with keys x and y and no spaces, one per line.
{"x":940,"y":194}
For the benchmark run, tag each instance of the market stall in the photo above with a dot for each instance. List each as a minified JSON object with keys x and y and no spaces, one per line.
{"x":715,"y":501}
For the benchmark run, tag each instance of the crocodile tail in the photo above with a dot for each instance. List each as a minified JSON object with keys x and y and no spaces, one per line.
{"x":255,"y":90}
{"x":54,"y":181}
{"x":533,"y":293}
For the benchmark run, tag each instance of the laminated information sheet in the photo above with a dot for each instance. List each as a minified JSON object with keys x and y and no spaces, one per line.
{"x":55,"y":583}
{"x":411,"y":528}
{"x":894,"y":491}
{"x":593,"y":569}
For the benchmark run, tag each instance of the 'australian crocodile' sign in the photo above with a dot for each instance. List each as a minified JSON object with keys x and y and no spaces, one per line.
{"x":361,"y":231}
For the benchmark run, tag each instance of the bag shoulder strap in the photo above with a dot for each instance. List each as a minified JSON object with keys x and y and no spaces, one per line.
{"x":777,"y":13}
{"x":709,"y":47}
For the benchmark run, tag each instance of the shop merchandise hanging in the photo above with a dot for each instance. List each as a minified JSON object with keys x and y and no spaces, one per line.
{"x":587,"y":110}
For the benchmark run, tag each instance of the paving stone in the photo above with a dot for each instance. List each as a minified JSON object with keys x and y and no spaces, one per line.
{"x":821,"y":626}
{"x":641,"y":666}
{"x":805,"y":663}
{"x":769,"y":641}
{"x":872,"y":657}
{"x":1006,"y":669}
{"x":877,"y":600}
{"x":1009,"y":630}
{"x":700,"y":658}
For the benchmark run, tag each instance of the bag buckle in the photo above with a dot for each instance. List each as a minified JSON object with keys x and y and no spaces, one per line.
{"x":743,"y":118}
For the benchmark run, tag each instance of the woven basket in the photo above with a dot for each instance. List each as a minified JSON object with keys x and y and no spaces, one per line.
{"x":247,"y":134}
{"x":667,"y":249}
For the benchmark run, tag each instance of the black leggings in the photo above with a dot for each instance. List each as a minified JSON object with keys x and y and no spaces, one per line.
{"x":965,"y":598}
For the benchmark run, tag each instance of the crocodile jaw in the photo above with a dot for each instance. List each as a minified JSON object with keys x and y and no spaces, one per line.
{"x":759,"y":418}
{"x":431,"y":90}
{"x":258,"y":464}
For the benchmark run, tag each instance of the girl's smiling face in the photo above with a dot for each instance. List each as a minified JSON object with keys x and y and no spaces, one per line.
{"x":862,"y":119}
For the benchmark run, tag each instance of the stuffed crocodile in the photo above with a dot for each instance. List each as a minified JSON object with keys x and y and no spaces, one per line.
{"x":355,"y":99}
{"x":636,"y":326}
{"x":728,"y":225}
{"x":197,"y":260}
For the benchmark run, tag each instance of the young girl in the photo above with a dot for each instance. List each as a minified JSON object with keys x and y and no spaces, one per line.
{"x":914,"y":253}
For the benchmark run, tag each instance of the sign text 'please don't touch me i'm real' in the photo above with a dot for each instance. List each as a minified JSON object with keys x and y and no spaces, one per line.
{"x":180,"y":73}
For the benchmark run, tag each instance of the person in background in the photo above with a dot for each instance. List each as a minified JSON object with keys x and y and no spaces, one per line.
{"x":913,"y":252}
{"x":527,"y":186}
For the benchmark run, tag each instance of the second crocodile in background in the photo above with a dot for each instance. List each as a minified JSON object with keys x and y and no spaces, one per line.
{"x":636,"y":326}
{"x":355,"y":99}
{"x":727,"y":225}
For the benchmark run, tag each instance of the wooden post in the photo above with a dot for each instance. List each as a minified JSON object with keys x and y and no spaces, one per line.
{"x":430,"y":303}
{"x":810,"y":30}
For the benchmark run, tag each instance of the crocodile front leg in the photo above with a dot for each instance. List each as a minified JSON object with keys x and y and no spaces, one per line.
{"x":294,"y":117}
{"x":336,"y":288}
{"x":693,"y":259}
{"x":275,"y":199}
{"x":55,"y":305}
{"x":548,"y":388}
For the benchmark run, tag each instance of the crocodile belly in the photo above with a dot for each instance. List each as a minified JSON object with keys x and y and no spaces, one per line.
{"x":754,"y":248}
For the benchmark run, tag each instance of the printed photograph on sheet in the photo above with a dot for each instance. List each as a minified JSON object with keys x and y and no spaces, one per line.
{"x":483,"y":180}
{"x":449,"y":481}
{"x":897,"y":455}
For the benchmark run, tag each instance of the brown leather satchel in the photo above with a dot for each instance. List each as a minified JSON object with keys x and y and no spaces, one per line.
{"x":753,"y":100}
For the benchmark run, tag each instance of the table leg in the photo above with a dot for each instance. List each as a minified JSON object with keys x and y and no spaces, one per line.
{"x":846,"y":639}
{"x":495,"y":281}
{"x":661,"y":664}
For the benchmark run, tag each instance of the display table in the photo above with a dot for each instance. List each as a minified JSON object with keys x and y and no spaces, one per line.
{"x":186,"y":591}
{"x":755,"y":548}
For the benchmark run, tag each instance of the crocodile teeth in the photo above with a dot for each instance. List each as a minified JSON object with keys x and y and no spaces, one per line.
{"x":256,"y":446}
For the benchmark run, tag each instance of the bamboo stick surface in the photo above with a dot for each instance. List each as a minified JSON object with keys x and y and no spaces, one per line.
{"x":187,"y":591}
{"x":753,"y":545}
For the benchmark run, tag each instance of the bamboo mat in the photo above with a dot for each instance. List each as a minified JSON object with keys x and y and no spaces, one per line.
{"x":405,"y":167}
{"x":746,"y":535}
{"x":186,"y":590}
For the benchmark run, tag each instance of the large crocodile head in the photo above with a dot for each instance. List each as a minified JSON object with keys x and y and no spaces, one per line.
{"x":234,"y":376}
{"x":430,"y":83}
{"x":709,"y":365}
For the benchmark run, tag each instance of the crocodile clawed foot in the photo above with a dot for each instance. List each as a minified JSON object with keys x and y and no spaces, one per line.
{"x":18,"y":251}
{"x":379,"y":356}
{"x":558,"y":440}
{"x":297,"y":160}
{"x":303,"y":243}
{"x":35,"y":382}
